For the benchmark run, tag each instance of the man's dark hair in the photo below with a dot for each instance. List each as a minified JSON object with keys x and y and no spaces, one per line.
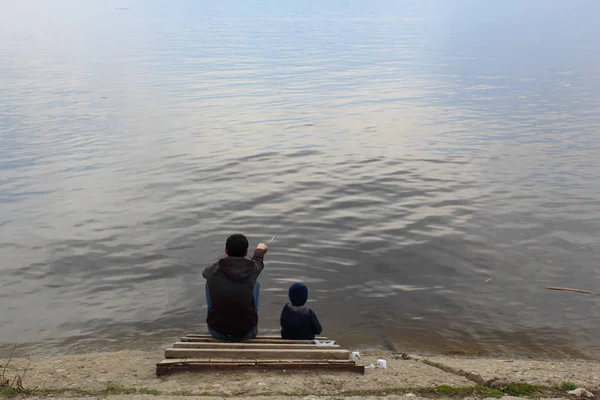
{"x":237,"y":245}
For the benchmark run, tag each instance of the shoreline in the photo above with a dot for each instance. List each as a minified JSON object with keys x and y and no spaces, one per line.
{"x":156,"y":341}
{"x":131,"y":372}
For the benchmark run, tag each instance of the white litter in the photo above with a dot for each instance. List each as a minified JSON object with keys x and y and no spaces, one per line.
{"x":381,"y":364}
{"x":355,"y":355}
{"x":324,"y":343}
{"x":581,"y":392}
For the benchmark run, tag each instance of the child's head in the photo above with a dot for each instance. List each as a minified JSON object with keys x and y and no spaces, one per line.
{"x":298,"y":294}
{"x":236,"y":245}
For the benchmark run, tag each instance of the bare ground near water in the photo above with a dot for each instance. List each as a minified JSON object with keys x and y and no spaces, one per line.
{"x":136,"y":369}
{"x":162,"y":397}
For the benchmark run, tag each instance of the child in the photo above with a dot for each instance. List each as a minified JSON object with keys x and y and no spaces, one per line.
{"x":298,"y":321}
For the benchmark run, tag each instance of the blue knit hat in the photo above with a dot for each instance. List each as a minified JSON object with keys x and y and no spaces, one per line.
{"x":298,"y":294}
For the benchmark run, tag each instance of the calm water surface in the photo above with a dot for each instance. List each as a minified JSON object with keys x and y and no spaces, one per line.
{"x":427,"y":168}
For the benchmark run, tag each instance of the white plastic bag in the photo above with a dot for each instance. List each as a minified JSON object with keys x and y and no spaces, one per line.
{"x":324,"y":343}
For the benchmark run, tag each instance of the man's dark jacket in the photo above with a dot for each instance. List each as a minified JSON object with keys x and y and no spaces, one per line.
{"x":231,"y":288}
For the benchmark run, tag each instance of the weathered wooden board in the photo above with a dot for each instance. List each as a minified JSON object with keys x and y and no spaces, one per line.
{"x":173,"y":361}
{"x":165,"y":369}
{"x":204,"y":353}
{"x":223,"y":345}
{"x":273,"y":336}
{"x":213,"y":340}
{"x":311,"y":354}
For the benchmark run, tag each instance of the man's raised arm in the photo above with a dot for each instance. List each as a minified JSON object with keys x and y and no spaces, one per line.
{"x":258,"y":256}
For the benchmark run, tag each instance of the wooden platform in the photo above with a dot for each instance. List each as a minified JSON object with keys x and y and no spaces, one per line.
{"x":202,"y":352}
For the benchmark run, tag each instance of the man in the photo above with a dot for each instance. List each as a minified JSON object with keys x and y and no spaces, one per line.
{"x":232,"y":291}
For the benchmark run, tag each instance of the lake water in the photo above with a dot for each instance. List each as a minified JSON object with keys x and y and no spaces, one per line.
{"x":426,"y":167}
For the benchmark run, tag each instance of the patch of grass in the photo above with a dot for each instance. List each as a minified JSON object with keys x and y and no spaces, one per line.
{"x":520,"y":389}
{"x":466,"y":391}
{"x":566,"y":386}
{"x":8,"y":391}
{"x":114,"y":388}
{"x":148,"y":391}
{"x":491,"y":392}
{"x":447,"y":389}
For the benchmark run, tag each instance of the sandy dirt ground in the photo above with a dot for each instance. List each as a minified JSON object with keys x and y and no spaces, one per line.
{"x":391,"y":397}
{"x":136,"y":369}
{"x":547,"y":373}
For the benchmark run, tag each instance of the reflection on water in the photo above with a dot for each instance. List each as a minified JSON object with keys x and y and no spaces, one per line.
{"x":426,"y":169}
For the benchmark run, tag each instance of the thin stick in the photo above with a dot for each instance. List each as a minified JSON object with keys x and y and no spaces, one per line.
{"x":271,"y":241}
{"x":8,"y":362}
{"x":572,"y":290}
{"x":25,"y":371}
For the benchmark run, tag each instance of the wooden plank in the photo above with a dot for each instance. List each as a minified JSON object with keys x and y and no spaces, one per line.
{"x":213,"y":340}
{"x":274,"y":336}
{"x":317,"y":361}
{"x":312,"y":354}
{"x":224,"y":345}
{"x":168,"y":369}
{"x":173,"y":361}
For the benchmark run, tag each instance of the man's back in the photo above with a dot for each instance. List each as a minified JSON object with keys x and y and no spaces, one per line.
{"x":231,"y":284}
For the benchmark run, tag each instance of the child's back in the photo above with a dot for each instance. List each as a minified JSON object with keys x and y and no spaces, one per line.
{"x":298,"y":321}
